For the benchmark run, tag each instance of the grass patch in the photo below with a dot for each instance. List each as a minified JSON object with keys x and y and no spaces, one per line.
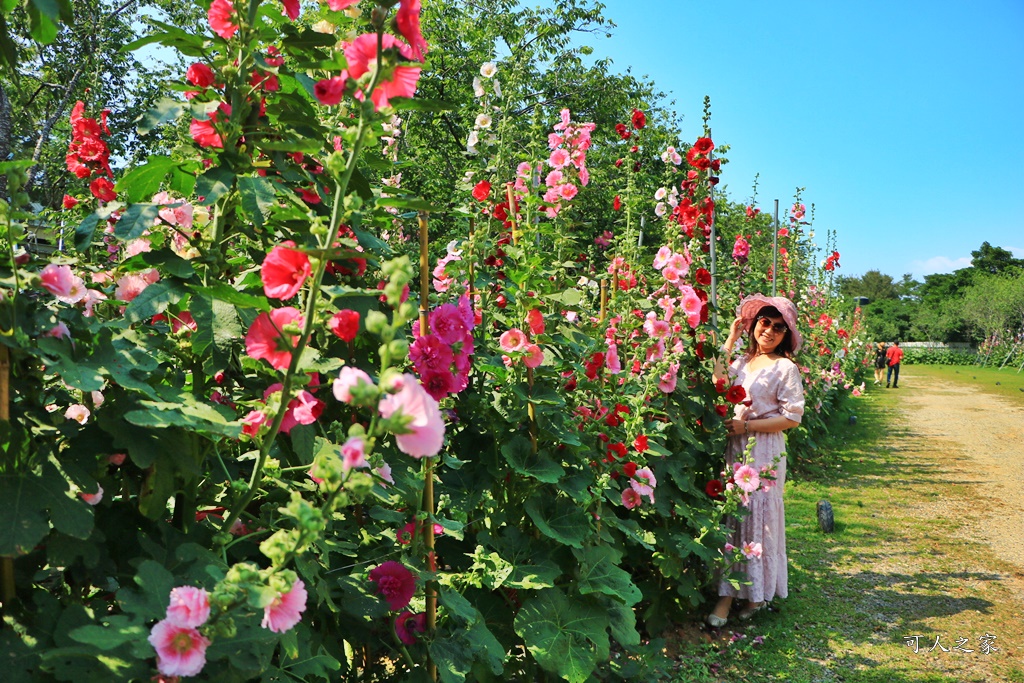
{"x":1006,"y":383}
{"x":897,"y":566}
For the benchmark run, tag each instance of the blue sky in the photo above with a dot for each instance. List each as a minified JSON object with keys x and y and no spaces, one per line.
{"x":904,"y":120}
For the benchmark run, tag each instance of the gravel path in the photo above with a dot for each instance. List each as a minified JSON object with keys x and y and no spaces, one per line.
{"x":985,"y":438}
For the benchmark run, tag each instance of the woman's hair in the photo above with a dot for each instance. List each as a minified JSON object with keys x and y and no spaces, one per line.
{"x":785,"y":347}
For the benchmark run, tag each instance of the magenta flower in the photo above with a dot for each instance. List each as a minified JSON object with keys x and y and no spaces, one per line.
{"x":408,"y":626}
{"x":266,"y":340}
{"x":662,"y":257}
{"x":252,"y":422}
{"x":611,"y":359}
{"x":741,"y":249}
{"x":426,"y":425}
{"x":395,"y":582}
{"x":330,"y":91}
{"x":286,"y":610}
{"x":189,"y":608}
{"x":631,"y":498}
{"x":284,"y":271}
{"x":449,"y":324}
{"x":431,"y":354}
{"x":180,"y":650}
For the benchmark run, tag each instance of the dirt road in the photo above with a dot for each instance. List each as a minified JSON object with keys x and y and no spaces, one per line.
{"x":984,"y":440}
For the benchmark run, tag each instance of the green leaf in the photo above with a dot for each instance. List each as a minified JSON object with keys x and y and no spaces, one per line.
{"x":566,"y":637}
{"x":213,"y":184}
{"x":228,"y":294}
{"x":169,"y":262}
{"x":407,"y":202}
{"x":121,"y":358}
{"x":599,"y":573}
{"x":165,"y":111}
{"x":41,"y":27}
{"x":30,"y":500}
{"x":421,"y":104}
{"x":189,"y":413}
{"x":144,"y":180}
{"x":518,"y":453}
{"x":136,"y":220}
{"x":257,"y":197}
{"x":530,"y":577}
{"x":117,"y":631}
{"x":153,"y":299}
{"x":623,"y":623}
{"x":86,"y":229}
{"x":559,"y":519}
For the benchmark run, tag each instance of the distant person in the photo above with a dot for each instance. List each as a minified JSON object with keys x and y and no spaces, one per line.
{"x":880,"y":362}
{"x":894,"y":356}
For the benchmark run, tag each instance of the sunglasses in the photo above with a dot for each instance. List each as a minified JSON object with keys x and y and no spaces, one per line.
{"x":777,"y":328}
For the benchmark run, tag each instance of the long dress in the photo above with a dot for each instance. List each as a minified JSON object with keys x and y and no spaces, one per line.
{"x":772,"y":391}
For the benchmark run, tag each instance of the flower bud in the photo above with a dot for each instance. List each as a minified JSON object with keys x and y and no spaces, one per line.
{"x":376,"y":322}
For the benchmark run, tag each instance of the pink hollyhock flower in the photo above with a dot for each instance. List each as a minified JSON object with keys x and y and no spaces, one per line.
{"x":180,"y":651}
{"x":189,"y":608}
{"x":348,"y":378}
{"x":669,"y":379}
{"x":384,"y":472}
{"x":448,"y":323}
{"x":353,"y":454}
{"x":362,"y":52}
{"x":553,"y":178}
{"x":93,"y":498}
{"x":265,"y":338}
{"x":338,"y":5}
{"x":286,"y":610}
{"x":63,"y":283}
{"x":644,"y":483}
{"x":220,"y":15}
{"x":524,"y":170}
{"x":284,"y":271}
{"x":567,"y":191}
{"x":200,"y":75}
{"x":129,"y":287}
{"x":409,"y":625}
{"x":408,"y":22}
{"x":330,"y":91}
{"x":534,"y":356}
{"x":291,"y":8}
{"x":611,"y":359}
{"x":77,"y":412}
{"x":631,"y":499}
{"x":751,"y":550}
{"x":252,"y":422}
{"x":304,"y":409}
{"x":345,"y":324}
{"x":747,"y":478}
{"x":655,"y":328}
{"x":205,"y":134}
{"x":559,"y":158}
{"x":426,"y":426}
{"x":512,"y":340}
{"x":430,"y":354}
{"x":395,"y":582}
{"x":662,"y":257}
{"x":741,"y":248}
{"x":535,"y":319}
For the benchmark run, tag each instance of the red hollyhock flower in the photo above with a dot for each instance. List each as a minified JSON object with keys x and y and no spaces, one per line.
{"x":639,"y":120}
{"x":329,"y":91}
{"x":629,"y":469}
{"x":69,"y":202}
{"x":703,"y":277}
{"x":617,"y":450}
{"x":623,"y":133}
{"x":640,"y":443}
{"x":265,"y":339}
{"x":395,"y":582}
{"x":409,"y":626}
{"x":291,"y":8}
{"x":345,"y":324}
{"x":714,"y":488}
{"x":722,"y":410}
{"x":284,"y":271}
{"x":536,"y":321}
{"x":200,"y":75}
{"x":735,"y":394}
{"x":407,"y":20}
{"x":720,"y":386}
{"x":219,"y":16}
{"x":703,"y":145}
{"x":482,"y":191}
{"x":103,"y":190}
{"x":616,"y":203}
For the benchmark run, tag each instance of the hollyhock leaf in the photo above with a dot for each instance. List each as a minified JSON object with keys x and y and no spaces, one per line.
{"x":169,"y":262}
{"x":23,"y":518}
{"x":87,"y":228}
{"x":137,"y":219}
{"x":41,"y":27}
{"x":533,"y":576}
{"x":623,"y":623}
{"x":570,"y":297}
{"x":116,"y":630}
{"x":453,"y":659}
{"x":257,"y":196}
{"x":249,"y":650}
{"x":213,"y":184}
{"x":598,"y":573}
{"x":303,"y":439}
{"x":410,"y":202}
{"x":228,"y":294}
{"x":72,"y":371}
{"x":144,"y":180}
{"x":153,"y":300}
{"x":559,"y":519}
{"x":566,"y":636}
{"x":519,"y":455}
{"x":204,"y":418}
{"x":171,"y":36}
{"x":420,"y":104}
{"x":218,"y":324}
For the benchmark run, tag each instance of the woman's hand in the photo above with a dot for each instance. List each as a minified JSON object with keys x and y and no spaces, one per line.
{"x":736,"y":427}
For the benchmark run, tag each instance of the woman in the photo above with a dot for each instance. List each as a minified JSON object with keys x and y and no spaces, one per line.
{"x":776,"y":403}
{"x":880,"y":362}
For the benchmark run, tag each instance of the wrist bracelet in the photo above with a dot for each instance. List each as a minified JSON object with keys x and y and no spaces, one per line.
{"x":746,"y":426}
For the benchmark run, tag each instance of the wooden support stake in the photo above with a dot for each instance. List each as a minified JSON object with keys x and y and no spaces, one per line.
{"x":604,"y":300}
{"x":7,"y":588}
{"x":428,"y":463}
{"x":516,"y":233}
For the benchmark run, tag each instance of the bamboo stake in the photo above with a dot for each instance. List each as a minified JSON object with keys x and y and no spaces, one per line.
{"x":428,"y":463}
{"x":516,"y":233}
{"x":7,"y":588}
{"x":604,"y":300}
{"x":472,"y":282}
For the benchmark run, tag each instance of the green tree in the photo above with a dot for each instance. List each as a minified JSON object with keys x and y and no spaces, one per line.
{"x":989,"y":259}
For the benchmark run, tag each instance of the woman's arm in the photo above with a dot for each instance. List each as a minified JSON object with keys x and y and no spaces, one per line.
{"x":735,"y":331}
{"x":765,"y":425}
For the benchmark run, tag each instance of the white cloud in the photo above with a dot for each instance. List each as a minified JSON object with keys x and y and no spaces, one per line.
{"x":938,"y":264}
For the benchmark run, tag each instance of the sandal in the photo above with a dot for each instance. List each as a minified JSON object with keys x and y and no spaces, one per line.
{"x":717,"y":621}
{"x":749,"y":612}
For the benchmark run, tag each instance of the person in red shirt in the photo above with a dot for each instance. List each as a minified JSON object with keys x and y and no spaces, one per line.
{"x":894,"y":355}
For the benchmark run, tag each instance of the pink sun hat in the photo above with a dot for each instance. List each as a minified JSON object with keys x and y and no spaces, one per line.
{"x":752,"y":305}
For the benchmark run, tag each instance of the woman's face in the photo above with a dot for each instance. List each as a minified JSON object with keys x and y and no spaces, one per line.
{"x":769,"y":333}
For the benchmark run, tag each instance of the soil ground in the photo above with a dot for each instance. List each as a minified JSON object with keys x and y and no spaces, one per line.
{"x":929,"y":542}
